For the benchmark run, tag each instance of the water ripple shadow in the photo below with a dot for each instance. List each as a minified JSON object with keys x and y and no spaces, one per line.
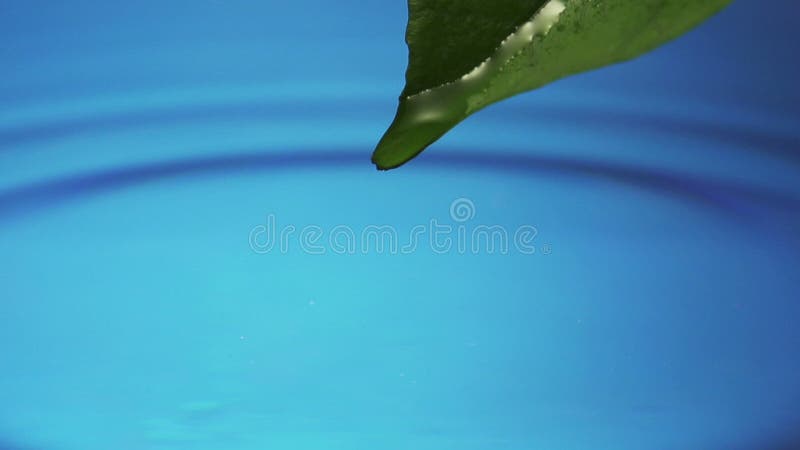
{"x":722,"y":196}
{"x":11,"y":136}
{"x":783,"y":146}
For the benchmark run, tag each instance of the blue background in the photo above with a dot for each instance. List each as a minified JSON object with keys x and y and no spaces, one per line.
{"x":141,"y":142}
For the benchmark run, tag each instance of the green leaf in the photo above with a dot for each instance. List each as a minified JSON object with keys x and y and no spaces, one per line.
{"x":468,"y":54}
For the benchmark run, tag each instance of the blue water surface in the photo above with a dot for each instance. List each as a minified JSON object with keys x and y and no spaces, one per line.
{"x":146,"y":146}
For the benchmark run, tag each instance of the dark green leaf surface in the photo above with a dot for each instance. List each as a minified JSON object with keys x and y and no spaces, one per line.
{"x":468,"y":54}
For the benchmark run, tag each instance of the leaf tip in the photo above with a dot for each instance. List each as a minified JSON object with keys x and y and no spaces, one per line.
{"x":409,"y":135}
